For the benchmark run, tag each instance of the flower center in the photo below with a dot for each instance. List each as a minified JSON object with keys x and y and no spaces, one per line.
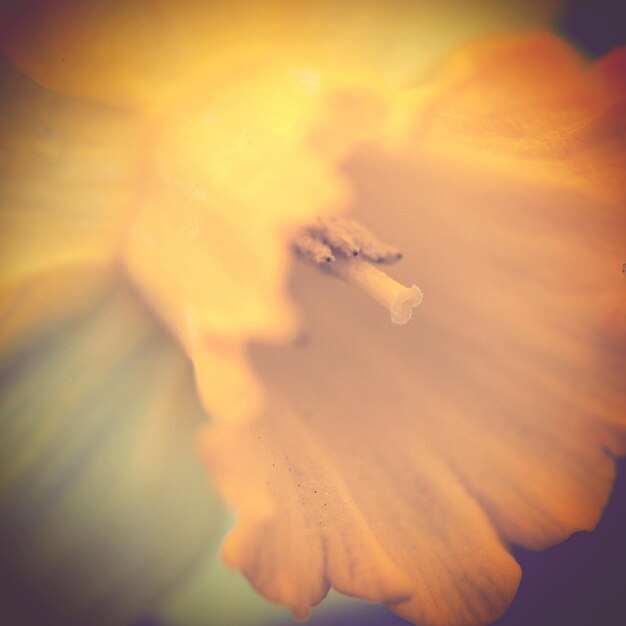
{"x":346,"y":248}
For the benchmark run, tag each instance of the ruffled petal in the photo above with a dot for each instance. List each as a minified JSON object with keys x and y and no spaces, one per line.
{"x":328,"y":508}
{"x":103,"y":505}
{"x":224,"y":187}
{"x":398,"y":464}
{"x":556,"y":118}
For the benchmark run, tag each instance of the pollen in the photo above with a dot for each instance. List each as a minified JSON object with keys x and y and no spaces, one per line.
{"x":347,"y":249}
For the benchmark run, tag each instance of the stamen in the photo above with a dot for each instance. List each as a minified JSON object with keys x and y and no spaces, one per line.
{"x":400,"y":300}
{"x":345,"y":247}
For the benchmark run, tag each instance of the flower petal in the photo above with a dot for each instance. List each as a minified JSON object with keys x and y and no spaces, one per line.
{"x":412,"y":456}
{"x":208,"y":245}
{"x":555,"y":117}
{"x":103,"y":505}
{"x":65,"y":168}
{"x":130,"y":52}
{"x":326,"y":508}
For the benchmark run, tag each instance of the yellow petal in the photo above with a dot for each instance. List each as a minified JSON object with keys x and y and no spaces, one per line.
{"x":103,"y":505}
{"x":231,"y":176}
{"x":145,"y":54}
{"x":398,"y":463}
{"x":65,"y":171}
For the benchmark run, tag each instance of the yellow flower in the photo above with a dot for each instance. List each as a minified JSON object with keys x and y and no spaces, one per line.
{"x":163,"y":180}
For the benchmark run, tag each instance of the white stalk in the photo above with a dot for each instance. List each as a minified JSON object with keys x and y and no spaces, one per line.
{"x":394,"y":296}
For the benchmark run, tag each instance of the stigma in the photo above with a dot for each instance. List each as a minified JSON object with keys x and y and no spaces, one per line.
{"x":347,"y":249}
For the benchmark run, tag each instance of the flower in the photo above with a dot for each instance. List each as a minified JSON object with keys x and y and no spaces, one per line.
{"x":395,"y":464}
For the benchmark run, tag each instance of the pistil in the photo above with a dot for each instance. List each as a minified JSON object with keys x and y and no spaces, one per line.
{"x":396,"y":297}
{"x":347,"y":249}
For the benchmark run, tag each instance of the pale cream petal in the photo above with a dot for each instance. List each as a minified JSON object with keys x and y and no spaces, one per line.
{"x":103,"y":504}
{"x":34,"y":304}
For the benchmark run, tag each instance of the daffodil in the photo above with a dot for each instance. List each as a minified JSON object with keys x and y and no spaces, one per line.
{"x":195,"y":205}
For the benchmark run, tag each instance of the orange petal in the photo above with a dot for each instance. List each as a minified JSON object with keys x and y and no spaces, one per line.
{"x":338,"y":515}
{"x":418,"y":453}
{"x":554,"y":117}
